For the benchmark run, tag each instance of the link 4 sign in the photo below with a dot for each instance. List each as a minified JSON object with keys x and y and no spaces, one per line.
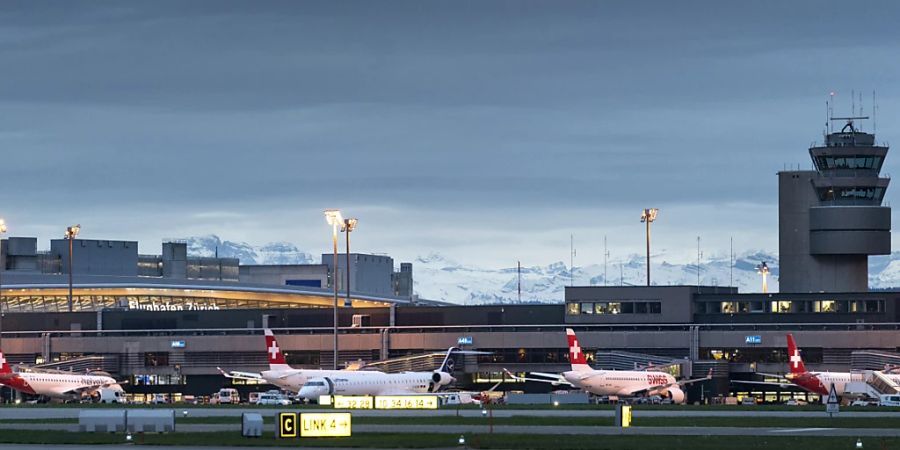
{"x":324,"y":424}
{"x":406,"y":402}
{"x":292,"y":425}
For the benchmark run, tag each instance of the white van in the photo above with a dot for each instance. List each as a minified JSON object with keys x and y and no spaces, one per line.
{"x":889,"y":400}
{"x":229,"y":395}
{"x":110,"y":396}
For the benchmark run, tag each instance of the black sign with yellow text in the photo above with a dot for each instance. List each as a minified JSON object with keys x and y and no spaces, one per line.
{"x":287,"y":425}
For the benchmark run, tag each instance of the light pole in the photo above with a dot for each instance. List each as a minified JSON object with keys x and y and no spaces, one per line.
{"x":2,"y":268}
{"x":763,"y":269}
{"x":648,"y":215}
{"x":333,"y":217}
{"x":348,"y":226}
{"x":71,"y":233}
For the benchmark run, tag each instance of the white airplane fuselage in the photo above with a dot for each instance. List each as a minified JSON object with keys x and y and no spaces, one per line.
{"x":621,"y":383}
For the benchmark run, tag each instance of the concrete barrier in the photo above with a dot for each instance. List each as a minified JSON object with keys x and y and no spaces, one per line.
{"x":251,"y":424}
{"x":101,"y":420}
{"x":151,"y":420}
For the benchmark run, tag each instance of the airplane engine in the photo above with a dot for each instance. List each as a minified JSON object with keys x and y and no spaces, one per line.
{"x":442,"y":378}
{"x":676,"y":394}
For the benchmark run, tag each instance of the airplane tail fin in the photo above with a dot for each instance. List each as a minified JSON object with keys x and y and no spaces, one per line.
{"x":276,"y":358}
{"x":795,"y":361}
{"x":448,"y":364}
{"x":4,"y":366}
{"x":576,"y":356}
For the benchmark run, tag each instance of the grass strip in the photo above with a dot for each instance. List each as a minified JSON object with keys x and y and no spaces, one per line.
{"x":479,"y":441}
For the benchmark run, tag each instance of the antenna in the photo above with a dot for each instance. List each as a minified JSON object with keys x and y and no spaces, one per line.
{"x":605,"y":259}
{"x":874,"y":112}
{"x":519,"y":270}
{"x":698,"y":263}
{"x":852,"y":102}
{"x":572,"y":260}
{"x":731,"y":266}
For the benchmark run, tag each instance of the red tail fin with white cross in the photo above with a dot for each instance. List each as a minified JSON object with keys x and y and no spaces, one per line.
{"x":276,"y":358}
{"x":4,"y":366}
{"x":795,"y":361}
{"x":576,"y":355}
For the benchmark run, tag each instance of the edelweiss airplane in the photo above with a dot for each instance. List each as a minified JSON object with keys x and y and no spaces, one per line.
{"x":620,"y":383}
{"x":281,"y":374}
{"x":818,"y":382}
{"x":55,"y":384}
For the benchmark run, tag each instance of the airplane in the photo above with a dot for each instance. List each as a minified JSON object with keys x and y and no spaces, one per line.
{"x":620,"y":383}
{"x":817,"y":382}
{"x":281,"y":374}
{"x":379,"y":383}
{"x":56,"y":384}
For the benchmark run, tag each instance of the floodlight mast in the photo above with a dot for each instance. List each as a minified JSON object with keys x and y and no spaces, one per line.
{"x":648,"y":216}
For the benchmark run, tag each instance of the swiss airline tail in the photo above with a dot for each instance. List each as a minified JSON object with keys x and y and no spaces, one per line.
{"x":576,"y":356}
{"x":4,"y":366}
{"x":794,"y":360}
{"x":276,"y":358}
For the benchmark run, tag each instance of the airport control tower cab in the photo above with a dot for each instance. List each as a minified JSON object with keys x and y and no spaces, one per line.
{"x":831,"y":218}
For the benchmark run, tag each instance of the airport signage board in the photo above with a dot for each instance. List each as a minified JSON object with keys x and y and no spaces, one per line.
{"x":464,"y":340}
{"x":292,"y":425}
{"x":287,"y":425}
{"x":753,"y":340}
{"x":353,"y":402}
{"x":178,"y":344}
{"x":324,"y":400}
{"x":325,"y":424}
{"x":406,"y":402}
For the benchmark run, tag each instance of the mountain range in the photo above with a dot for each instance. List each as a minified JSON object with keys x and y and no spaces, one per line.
{"x":437,"y":277}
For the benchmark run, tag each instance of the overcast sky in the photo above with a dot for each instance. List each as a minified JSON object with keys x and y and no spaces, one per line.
{"x":486,"y":131}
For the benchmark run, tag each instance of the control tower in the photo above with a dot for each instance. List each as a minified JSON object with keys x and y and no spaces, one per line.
{"x":831,"y":219}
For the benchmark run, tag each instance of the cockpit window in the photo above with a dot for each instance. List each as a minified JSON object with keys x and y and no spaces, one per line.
{"x":315,"y":383}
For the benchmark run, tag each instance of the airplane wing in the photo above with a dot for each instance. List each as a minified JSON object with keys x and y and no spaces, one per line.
{"x":557,"y":381}
{"x":240,"y":375}
{"x":766,"y":383}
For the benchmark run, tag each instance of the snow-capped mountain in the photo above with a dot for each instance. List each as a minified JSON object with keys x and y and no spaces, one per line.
{"x":440,"y":278}
{"x":272,"y":253}
{"x":437,"y":277}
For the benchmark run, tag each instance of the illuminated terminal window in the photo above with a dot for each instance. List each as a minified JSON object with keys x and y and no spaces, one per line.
{"x":781,"y":306}
{"x":618,"y":307}
{"x":825,"y":306}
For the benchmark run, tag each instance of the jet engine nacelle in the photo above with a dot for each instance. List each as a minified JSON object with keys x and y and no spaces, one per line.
{"x":441,"y":378}
{"x":676,"y":394}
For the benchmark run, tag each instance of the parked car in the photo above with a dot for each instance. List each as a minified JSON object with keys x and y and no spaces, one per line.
{"x":272,"y":399}
{"x":862,"y":402}
{"x":795,"y":402}
{"x":748,"y":401}
{"x":159,"y":399}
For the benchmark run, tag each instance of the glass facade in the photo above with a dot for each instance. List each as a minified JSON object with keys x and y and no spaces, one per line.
{"x":872,"y":193}
{"x":617,"y":307}
{"x":792,"y":306}
{"x":80,"y":303}
{"x":830,"y":162}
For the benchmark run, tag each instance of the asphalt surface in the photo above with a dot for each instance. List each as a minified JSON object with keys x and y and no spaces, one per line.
{"x":72,"y":413}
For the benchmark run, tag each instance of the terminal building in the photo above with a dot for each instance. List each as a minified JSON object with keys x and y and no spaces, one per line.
{"x":167,"y":322}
